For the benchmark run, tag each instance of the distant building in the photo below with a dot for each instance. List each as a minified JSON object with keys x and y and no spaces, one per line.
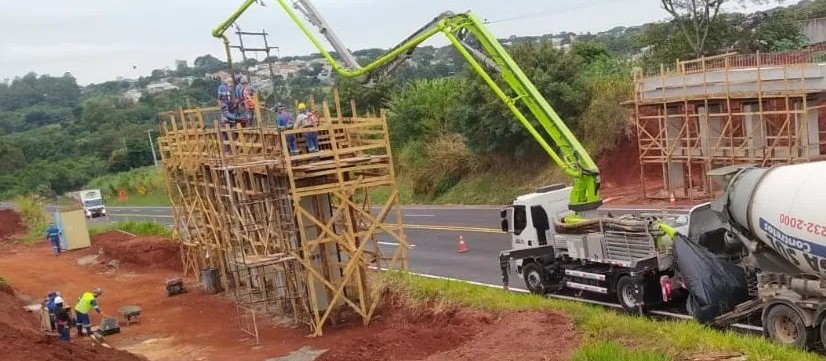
{"x":132,"y":95}
{"x":160,"y":87}
{"x":815,"y":30}
{"x":180,"y":64}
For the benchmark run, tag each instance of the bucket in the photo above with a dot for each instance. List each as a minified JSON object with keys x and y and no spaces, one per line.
{"x":211,"y":280}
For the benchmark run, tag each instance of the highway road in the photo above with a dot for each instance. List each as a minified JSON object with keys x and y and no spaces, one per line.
{"x":434,"y":233}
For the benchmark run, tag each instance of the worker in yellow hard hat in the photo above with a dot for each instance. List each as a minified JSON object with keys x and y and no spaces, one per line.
{"x":304,"y":120}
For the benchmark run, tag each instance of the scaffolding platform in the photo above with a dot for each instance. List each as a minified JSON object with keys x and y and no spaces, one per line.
{"x":731,"y":109}
{"x":293,"y":236}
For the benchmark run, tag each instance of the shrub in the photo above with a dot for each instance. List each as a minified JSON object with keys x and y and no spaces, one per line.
{"x":31,"y":208}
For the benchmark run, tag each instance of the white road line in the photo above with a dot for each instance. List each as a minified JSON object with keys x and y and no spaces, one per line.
{"x":393,"y":244}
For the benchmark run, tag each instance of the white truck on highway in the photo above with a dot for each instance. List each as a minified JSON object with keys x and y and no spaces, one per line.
{"x":92,"y":202}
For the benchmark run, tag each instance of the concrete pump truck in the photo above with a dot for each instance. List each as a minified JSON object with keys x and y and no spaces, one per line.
{"x":760,"y":247}
{"x":558,"y":243}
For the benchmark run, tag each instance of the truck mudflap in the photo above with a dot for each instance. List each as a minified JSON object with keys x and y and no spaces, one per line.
{"x":714,"y":286}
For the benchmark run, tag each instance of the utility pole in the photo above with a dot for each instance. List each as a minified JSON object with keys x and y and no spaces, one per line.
{"x":152,"y":145}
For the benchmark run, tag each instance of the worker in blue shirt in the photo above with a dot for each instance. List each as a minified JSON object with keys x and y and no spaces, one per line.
{"x":53,"y":236}
{"x":50,"y":305}
{"x":285,"y":122}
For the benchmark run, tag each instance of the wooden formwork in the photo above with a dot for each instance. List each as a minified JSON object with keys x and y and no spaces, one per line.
{"x":291,"y":235}
{"x":704,"y":114}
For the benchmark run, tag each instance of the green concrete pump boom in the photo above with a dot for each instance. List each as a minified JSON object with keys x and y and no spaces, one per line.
{"x":566,"y":151}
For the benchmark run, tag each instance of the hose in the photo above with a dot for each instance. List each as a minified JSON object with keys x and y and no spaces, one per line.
{"x":628,"y":224}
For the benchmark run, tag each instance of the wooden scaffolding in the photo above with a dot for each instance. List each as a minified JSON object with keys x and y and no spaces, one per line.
{"x":759,"y":109}
{"x":291,"y":236}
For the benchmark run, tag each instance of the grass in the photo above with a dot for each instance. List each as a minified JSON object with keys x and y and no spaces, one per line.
{"x":33,"y":213}
{"x":136,"y":228}
{"x":603,"y":331}
{"x":147,"y":179}
{"x":614,"y":351}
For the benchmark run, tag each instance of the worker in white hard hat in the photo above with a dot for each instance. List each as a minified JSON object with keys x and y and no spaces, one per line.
{"x":61,"y":319}
{"x":85,"y":304}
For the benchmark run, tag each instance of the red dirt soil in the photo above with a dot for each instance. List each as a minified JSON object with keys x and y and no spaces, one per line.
{"x":450,"y":334}
{"x":621,"y":184}
{"x":10,"y":225}
{"x":196,"y":326}
{"x":138,"y":251}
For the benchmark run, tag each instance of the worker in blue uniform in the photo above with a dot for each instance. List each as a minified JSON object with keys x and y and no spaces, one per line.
{"x":53,"y":236}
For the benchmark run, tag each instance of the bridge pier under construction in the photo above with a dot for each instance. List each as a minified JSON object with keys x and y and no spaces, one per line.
{"x":291,"y":237}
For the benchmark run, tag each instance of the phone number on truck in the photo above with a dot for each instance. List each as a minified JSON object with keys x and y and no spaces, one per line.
{"x":794,"y":222}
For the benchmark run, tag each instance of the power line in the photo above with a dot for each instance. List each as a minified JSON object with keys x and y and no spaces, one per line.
{"x":540,"y":14}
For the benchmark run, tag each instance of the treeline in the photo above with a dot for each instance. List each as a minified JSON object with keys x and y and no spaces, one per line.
{"x":446,"y":124}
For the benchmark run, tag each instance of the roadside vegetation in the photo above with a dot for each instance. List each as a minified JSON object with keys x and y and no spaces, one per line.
{"x":133,"y":227}
{"x":32,"y":210}
{"x":143,"y":186}
{"x":607,"y":335}
{"x":454,"y":140}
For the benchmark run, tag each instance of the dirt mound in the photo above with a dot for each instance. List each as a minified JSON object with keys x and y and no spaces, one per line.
{"x":450,"y":333}
{"x":527,"y":335}
{"x":139,"y":251}
{"x":621,"y":166}
{"x":10,"y":224}
{"x":22,"y":340}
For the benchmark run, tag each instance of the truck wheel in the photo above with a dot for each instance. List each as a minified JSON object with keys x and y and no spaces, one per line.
{"x":535,"y":278}
{"x":628,"y":293}
{"x":786,"y":327}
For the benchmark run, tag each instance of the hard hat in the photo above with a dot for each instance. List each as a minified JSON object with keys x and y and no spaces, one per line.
{"x":58,"y":299}
{"x":302,"y":106}
{"x":98,"y":291}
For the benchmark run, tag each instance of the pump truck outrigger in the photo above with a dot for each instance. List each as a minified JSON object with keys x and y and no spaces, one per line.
{"x":556,"y":241}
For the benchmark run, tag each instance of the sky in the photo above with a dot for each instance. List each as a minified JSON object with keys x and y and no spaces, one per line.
{"x":99,"y":40}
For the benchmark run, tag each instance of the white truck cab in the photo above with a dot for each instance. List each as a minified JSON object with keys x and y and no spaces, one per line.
{"x":92,"y":202}
{"x":529,"y":219}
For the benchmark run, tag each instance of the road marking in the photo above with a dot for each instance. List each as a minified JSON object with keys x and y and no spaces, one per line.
{"x":452,"y":228}
{"x":407,"y":226}
{"x":140,"y":215}
{"x":393,"y":244}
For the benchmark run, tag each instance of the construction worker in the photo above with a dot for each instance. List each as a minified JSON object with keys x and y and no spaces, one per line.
{"x":246,"y":107}
{"x":50,"y":304}
{"x":285,"y":122}
{"x":85,"y":303}
{"x":305,"y":120}
{"x":61,"y":320}
{"x":53,"y":236}
{"x":225,"y":102}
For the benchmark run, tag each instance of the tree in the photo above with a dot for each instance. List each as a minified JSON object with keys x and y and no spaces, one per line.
{"x":490,"y":127}
{"x":368,"y":99}
{"x":422,"y":110}
{"x":695,"y":18}
{"x":778,"y":32}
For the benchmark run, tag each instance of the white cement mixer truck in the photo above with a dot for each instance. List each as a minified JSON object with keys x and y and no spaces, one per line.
{"x":763,"y":254}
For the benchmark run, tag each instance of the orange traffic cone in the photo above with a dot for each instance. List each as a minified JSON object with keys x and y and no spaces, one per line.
{"x":462,"y":245}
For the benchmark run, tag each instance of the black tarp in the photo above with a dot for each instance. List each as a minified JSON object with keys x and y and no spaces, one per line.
{"x":715,"y":286}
